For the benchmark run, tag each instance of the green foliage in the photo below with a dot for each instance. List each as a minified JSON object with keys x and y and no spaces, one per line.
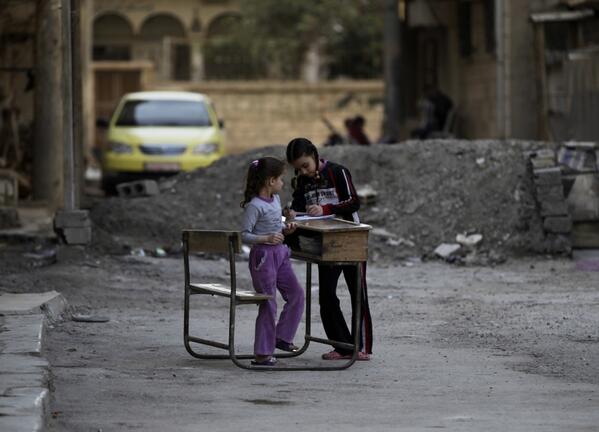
{"x":274,"y":35}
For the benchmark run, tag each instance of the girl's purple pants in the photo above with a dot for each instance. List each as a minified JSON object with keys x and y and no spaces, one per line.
{"x":270,"y":268}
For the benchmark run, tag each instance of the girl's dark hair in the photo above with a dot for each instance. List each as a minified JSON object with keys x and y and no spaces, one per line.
{"x":299,"y":147}
{"x":259,"y":172}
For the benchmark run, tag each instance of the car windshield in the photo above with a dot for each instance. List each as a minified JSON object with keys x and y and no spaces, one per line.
{"x":164,"y":113}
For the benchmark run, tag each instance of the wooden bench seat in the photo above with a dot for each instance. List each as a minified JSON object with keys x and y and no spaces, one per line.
{"x":225,"y":291}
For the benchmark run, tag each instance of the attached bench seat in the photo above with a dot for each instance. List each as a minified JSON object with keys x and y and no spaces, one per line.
{"x":217,"y":289}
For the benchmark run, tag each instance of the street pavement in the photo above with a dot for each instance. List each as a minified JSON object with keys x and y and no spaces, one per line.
{"x":511,"y":348}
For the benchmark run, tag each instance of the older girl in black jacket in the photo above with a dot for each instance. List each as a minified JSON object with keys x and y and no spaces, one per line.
{"x":322,"y":188}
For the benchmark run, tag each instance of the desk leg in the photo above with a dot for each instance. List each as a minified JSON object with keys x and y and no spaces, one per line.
{"x":358,"y":312}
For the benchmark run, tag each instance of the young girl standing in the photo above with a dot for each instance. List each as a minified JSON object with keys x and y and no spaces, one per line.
{"x":322,"y":188}
{"x":270,"y":266}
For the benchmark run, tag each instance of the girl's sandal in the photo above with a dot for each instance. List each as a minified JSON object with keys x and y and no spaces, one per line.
{"x":269,"y":362}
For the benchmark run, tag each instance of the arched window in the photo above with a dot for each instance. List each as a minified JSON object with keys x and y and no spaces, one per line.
{"x":225,"y":56}
{"x":223,"y":25}
{"x":112,"y":37}
{"x":160,"y":26}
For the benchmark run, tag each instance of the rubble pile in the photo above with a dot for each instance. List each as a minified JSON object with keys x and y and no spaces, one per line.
{"x":478,"y":195}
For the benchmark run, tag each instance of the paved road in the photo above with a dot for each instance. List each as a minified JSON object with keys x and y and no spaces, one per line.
{"x":467,"y":349}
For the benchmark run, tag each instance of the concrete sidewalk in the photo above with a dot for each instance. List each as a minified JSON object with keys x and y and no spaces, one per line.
{"x":24,"y":372}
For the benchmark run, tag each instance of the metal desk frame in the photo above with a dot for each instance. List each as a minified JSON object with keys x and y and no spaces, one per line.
{"x":234,"y":302}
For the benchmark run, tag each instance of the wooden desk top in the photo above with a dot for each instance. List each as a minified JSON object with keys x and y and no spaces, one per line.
{"x":332,"y":225}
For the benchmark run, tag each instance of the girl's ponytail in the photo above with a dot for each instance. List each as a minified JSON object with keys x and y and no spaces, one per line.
{"x":259,"y":171}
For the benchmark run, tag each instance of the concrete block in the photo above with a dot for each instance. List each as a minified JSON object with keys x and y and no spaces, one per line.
{"x":548,"y":176}
{"x":138,"y":189}
{"x":22,"y":380}
{"x":21,"y":423}
{"x":550,"y":192}
{"x":22,"y":334}
{"x":554,"y":208}
{"x":51,"y":304}
{"x":72,"y":219}
{"x":540,"y":163}
{"x":24,"y":364}
{"x":558,"y":224}
{"x":77,"y":236}
{"x":557,"y":244}
{"x":544,"y":153}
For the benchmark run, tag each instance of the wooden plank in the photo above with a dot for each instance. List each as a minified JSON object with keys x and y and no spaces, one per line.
{"x":225,"y":291}
{"x":212,"y":241}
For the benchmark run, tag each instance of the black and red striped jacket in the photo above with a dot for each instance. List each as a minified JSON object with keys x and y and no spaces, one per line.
{"x":334,"y":191}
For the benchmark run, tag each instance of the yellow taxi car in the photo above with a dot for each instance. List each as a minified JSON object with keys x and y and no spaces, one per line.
{"x":158,"y":133}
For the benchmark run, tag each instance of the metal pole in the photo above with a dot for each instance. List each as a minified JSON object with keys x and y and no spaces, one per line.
{"x":67,"y":83}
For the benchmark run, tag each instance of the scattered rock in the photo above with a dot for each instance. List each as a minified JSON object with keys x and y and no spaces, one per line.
{"x":445,"y":250}
{"x":469,"y":240}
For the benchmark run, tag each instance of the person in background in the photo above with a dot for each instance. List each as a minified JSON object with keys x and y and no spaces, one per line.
{"x":434,"y":108}
{"x":355,"y":131}
{"x":270,"y":265}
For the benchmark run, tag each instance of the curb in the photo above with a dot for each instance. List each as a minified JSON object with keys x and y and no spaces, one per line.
{"x":24,"y":374}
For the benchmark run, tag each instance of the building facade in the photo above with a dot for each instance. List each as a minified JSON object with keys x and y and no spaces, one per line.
{"x":171,"y":34}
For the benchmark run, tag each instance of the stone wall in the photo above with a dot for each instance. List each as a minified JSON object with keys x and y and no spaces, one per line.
{"x":263,"y":113}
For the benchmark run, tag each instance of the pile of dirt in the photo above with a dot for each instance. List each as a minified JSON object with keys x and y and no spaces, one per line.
{"x":427,"y":192}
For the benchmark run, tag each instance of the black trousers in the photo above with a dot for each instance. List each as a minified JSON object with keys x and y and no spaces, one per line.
{"x":332,"y":317}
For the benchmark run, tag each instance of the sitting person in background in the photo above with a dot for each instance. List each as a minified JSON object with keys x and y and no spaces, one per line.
{"x":434,"y":108}
{"x":355,"y":130}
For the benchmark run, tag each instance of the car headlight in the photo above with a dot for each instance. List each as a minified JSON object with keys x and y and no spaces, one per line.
{"x":205,"y":148}
{"x":117,"y":147}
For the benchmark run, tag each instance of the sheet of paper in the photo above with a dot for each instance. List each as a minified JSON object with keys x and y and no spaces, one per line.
{"x":307,"y":218}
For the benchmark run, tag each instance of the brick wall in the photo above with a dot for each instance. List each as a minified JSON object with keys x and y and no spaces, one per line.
{"x":263,"y":113}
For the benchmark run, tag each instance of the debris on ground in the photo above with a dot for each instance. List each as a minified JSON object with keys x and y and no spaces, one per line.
{"x":367,"y":194}
{"x":446,"y":250}
{"x":77,"y":317}
{"x":140,"y":188}
{"x":469,"y":240}
{"x":426,"y":192}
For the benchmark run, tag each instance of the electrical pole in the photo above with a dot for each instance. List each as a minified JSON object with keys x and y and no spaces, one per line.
{"x":392,"y":56}
{"x":72,"y":224}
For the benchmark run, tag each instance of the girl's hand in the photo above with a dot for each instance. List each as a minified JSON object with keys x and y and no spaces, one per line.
{"x":289,"y":214}
{"x":274,"y":238}
{"x":314,"y":210}
{"x":290,"y":228}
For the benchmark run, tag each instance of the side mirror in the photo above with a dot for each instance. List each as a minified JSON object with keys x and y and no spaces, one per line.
{"x":102,"y":123}
{"x":221,"y":123}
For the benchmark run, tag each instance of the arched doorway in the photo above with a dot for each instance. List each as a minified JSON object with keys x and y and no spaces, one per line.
{"x":112,"y":38}
{"x":224,"y":53}
{"x":163,"y":40}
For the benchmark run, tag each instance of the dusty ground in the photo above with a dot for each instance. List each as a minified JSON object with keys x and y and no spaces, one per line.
{"x":512,"y":347}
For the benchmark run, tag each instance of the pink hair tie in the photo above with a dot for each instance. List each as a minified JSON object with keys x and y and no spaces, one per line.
{"x":255,"y":162}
